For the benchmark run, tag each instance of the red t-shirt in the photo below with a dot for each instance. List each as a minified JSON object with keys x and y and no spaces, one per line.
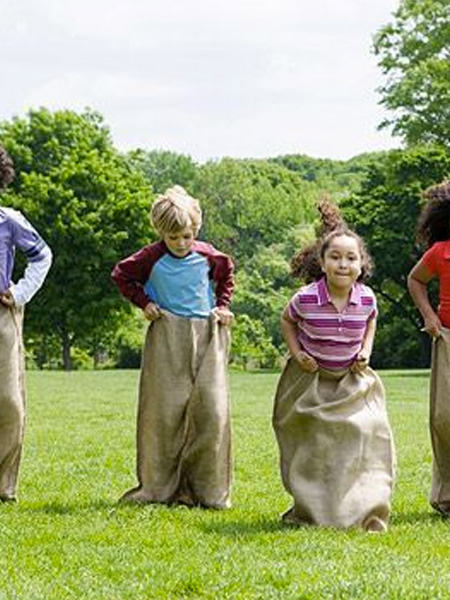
{"x":437,"y":261}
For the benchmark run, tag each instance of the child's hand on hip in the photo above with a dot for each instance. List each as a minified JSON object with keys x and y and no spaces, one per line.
{"x":152,"y":312}
{"x":224,"y":315}
{"x":306,"y":362}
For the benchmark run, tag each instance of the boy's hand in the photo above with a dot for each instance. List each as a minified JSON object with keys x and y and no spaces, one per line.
{"x":224,"y":315}
{"x":152,"y":312}
{"x":7,"y":299}
{"x":361,"y":362}
{"x":306,"y":362}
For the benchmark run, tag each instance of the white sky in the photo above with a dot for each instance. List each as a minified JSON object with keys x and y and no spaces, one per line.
{"x":208,"y":78}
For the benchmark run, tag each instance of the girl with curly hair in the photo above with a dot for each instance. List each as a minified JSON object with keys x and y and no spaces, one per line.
{"x":434,"y":231}
{"x":336,"y":450}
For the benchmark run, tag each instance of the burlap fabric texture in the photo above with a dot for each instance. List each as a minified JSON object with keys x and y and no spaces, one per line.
{"x":336,"y":450}
{"x":183,"y":424}
{"x":440,"y":422}
{"x":12,"y":399}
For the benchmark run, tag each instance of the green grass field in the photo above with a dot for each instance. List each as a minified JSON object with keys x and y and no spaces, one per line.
{"x":68,"y":538}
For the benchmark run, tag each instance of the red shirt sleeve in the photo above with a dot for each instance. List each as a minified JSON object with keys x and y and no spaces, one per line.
{"x":131,"y":273}
{"x":431,"y":258}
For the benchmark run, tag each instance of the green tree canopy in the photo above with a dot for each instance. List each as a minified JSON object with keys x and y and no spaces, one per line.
{"x":385,"y":214}
{"x":163,"y":168}
{"x":251,"y":203}
{"x":414,"y":56}
{"x":91,"y":208}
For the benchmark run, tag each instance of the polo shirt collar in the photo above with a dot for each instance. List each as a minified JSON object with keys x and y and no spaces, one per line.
{"x":324,"y":295}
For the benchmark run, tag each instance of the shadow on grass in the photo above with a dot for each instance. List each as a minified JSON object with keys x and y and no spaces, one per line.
{"x":245,"y":528}
{"x":59,"y":508}
{"x":417,"y":517}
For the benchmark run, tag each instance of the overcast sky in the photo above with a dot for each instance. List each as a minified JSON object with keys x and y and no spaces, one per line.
{"x":208,"y":78}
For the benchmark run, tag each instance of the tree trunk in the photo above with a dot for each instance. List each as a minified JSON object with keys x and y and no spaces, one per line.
{"x":66,"y":357}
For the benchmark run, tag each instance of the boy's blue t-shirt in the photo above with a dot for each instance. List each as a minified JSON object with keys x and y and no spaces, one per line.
{"x":182,"y":285}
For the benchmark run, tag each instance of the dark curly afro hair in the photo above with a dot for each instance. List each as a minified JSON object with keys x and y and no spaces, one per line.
{"x":6,"y":168}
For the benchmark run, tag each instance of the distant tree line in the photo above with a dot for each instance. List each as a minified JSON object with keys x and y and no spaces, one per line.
{"x":91,"y":203}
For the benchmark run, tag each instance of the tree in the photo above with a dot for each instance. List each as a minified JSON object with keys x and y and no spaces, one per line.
{"x":163,"y":168}
{"x":251,"y":203}
{"x":92,"y":209}
{"x":414,"y":55}
{"x":385,"y":214}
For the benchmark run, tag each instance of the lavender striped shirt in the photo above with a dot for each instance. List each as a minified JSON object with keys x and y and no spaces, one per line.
{"x":333,"y":338}
{"x":16,"y":231}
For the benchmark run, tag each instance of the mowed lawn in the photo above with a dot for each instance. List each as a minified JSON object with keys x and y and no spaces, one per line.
{"x":68,"y":538}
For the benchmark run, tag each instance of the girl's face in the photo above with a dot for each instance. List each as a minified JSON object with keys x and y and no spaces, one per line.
{"x":341,"y":262}
{"x":180,"y":242}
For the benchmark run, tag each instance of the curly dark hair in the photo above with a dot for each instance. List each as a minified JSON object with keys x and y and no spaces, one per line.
{"x":6,"y":168}
{"x":434,"y":220}
{"x":306,"y":264}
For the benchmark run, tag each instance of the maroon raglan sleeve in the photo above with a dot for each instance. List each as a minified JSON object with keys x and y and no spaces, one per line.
{"x":131,"y":273}
{"x":222,"y":273}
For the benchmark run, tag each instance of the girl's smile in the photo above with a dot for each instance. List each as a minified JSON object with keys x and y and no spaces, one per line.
{"x":342,"y":263}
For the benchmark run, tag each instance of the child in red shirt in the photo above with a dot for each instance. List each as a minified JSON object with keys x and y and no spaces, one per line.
{"x":434,"y":231}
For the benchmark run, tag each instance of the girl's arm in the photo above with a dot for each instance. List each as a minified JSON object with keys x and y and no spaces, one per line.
{"x":362,"y":360}
{"x":289,"y":333}
{"x":418,"y":279}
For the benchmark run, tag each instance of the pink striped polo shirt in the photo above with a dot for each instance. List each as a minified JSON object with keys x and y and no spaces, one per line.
{"x":333,"y":338}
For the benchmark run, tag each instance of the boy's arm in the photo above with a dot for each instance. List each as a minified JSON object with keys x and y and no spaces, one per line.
{"x":418,"y":279}
{"x":38,"y":256}
{"x":131,"y":274}
{"x":223,"y":275}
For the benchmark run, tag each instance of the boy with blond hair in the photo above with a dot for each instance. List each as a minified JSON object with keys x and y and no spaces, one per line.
{"x":184,"y":288}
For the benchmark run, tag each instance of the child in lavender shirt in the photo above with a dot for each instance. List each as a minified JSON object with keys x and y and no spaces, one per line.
{"x":15,"y":232}
{"x":336,"y":449}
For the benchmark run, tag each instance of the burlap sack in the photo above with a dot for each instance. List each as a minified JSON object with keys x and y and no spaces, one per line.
{"x":183,"y":425}
{"x":336,"y":449}
{"x":440,"y":422}
{"x":12,"y":399}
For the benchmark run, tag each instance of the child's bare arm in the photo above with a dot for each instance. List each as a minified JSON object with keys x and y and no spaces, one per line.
{"x":418,"y":279}
{"x":289,"y":333}
{"x":362,"y":360}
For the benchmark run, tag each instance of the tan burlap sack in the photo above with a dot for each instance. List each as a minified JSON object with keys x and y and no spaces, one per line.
{"x":440,"y":422}
{"x":336,"y":450}
{"x":183,"y":425}
{"x":12,"y":399}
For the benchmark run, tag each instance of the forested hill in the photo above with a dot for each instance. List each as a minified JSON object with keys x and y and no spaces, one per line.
{"x":91,"y":204}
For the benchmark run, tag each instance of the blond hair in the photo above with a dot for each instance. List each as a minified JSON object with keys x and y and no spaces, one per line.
{"x":175,"y":210}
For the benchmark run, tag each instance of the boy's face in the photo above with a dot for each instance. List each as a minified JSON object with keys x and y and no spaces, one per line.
{"x":180,"y":242}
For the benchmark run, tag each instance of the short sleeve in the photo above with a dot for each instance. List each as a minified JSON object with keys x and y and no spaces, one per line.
{"x":294,"y":307}
{"x":431,"y":259}
{"x":369,"y":302}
